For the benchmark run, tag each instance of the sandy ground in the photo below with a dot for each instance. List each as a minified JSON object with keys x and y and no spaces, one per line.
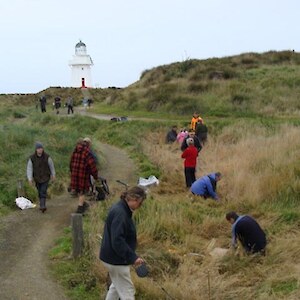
{"x":26,"y":236}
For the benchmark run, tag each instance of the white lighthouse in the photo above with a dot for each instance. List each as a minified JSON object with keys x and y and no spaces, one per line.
{"x":81,"y":67}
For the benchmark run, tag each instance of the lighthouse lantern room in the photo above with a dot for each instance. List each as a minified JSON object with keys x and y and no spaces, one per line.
{"x":81,"y":67}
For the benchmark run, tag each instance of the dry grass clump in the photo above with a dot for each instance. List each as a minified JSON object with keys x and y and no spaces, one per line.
{"x":258,"y":164}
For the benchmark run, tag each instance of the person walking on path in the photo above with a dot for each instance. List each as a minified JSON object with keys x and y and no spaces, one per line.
{"x":82,"y":165}
{"x":119,"y":243}
{"x":43,"y":102}
{"x":248,"y":232}
{"x":190,"y":161}
{"x":40,"y":168}
{"x":70,"y":104}
{"x":206,"y":186}
{"x":88,"y":142}
{"x":57,"y":104}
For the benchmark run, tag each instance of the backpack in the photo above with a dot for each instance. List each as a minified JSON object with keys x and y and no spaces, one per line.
{"x":102,"y":189}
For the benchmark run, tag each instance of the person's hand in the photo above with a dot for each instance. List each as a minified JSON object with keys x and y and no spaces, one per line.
{"x":138,"y":261}
{"x":30,"y":182}
{"x":53,"y":178}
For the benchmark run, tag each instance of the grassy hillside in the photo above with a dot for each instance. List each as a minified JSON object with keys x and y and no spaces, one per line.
{"x":245,"y":85}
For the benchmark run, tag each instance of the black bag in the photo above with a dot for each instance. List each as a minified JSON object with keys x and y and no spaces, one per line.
{"x":102,"y":189}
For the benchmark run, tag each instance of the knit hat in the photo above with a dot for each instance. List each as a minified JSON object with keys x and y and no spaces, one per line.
{"x":190,"y":141}
{"x":87,"y":140}
{"x":38,"y":145}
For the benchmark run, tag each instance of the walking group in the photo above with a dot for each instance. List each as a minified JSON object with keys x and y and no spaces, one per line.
{"x":83,"y":172}
{"x":56,"y":104}
{"x":118,"y":247}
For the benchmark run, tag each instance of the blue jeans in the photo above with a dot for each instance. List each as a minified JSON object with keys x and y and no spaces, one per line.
{"x":42,"y":191}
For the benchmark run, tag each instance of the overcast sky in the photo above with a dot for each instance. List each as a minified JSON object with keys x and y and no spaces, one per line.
{"x":126,"y":37}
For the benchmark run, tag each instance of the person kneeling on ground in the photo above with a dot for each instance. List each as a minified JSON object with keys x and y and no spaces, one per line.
{"x":248,"y":232}
{"x":171,"y":135}
{"x":206,"y":186}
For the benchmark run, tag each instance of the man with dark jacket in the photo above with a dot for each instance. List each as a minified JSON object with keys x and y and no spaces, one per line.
{"x":248,"y":232}
{"x":57,"y":104}
{"x":197,"y":143}
{"x":119,"y":242}
{"x":43,"y":102}
{"x":40,"y":168}
{"x":201,"y":132}
{"x":171,"y":135}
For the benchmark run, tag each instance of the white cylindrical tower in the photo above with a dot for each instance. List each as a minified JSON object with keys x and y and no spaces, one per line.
{"x":81,"y":67}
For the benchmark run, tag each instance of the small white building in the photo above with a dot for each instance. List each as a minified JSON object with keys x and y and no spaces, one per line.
{"x":81,"y":67}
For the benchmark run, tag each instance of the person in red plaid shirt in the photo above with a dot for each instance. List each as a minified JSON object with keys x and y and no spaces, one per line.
{"x":82,"y":165}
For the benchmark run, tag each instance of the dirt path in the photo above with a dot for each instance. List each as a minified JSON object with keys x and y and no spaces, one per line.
{"x":26,"y":236}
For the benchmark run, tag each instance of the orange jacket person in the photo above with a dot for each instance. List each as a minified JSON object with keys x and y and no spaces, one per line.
{"x":196,"y":118}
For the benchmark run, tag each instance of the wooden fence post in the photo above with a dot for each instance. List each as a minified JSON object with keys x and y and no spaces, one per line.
{"x":77,"y":234}
{"x":20,"y":188}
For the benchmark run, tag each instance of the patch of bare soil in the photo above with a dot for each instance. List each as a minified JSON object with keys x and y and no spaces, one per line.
{"x":26,"y":236}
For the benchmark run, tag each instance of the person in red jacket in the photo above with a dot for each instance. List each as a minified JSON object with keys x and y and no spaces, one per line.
{"x":190,"y":155}
{"x":82,"y":165}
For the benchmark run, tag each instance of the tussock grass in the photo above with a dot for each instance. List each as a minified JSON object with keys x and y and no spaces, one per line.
{"x":261,"y":178}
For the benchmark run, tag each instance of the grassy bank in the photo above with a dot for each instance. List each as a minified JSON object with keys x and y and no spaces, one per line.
{"x":260,"y":163}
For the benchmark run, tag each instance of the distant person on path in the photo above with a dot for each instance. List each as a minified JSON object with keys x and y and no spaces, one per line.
{"x":171,"y":135}
{"x":89,"y":102}
{"x":70,"y":104}
{"x":197,"y":143}
{"x":40,"y":168}
{"x":190,"y":161}
{"x":248,"y":232}
{"x":195,"y":119}
{"x":85,"y":103}
{"x":57,"y":104}
{"x":206,"y":186}
{"x":119,"y":243}
{"x":82,"y":165}
{"x":43,"y":102}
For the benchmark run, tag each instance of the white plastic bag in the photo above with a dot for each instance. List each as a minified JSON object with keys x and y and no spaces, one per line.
{"x":152,"y":180}
{"x":24,"y":203}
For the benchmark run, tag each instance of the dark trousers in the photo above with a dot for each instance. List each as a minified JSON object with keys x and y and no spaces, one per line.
{"x":190,"y":176}
{"x":42,"y":191}
{"x":70,"y":109}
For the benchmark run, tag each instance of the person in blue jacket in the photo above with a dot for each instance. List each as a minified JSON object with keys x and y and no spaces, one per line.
{"x":248,"y":232}
{"x":119,"y":242}
{"x":206,"y":186}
